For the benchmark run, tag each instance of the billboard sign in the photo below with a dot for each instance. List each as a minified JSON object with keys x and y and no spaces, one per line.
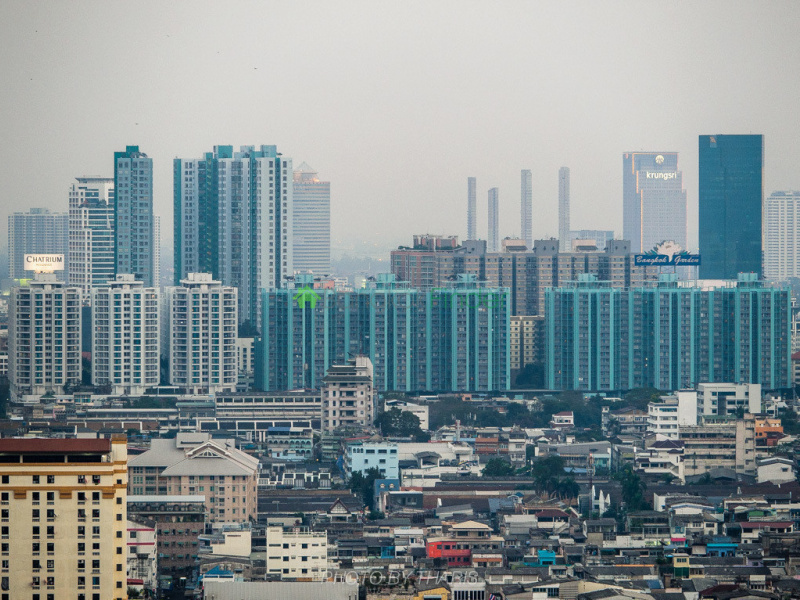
{"x":44,"y":263}
{"x":667,"y":254}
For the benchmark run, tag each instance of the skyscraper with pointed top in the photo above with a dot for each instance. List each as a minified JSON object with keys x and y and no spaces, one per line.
{"x":526,"y":208}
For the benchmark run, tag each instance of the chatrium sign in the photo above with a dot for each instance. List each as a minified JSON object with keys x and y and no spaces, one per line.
{"x":667,"y":254}
{"x":44,"y":263}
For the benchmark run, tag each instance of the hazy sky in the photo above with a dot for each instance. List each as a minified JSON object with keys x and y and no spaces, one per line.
{"x":397,"y":103}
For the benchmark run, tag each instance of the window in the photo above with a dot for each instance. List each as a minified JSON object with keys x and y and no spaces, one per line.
{"x":81,"y":547}
{"x":51,"y":479}
{"x":5,"y":479}
{"x":35,"y":479}
{"x":96,"y":564}
{"x":81,"y":564}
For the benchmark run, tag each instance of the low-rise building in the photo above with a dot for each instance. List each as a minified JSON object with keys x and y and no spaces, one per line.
{"x":142,"y":554}
{"x":720,"y":443}
{"x":670,"y":413}
{"x":348,"y":395}
{"x":363,"y":456}
{"x":418,"y":410}
{"x":297,"y":554}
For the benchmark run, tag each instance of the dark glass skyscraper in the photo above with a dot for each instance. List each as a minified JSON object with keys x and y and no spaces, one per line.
{"x":731,"y":195}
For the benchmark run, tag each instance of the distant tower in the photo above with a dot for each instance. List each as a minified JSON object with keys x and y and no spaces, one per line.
{"x":526,"y":207}
{"x":782,"y":239}
{"x":472,"y":201}
{"x":563,"y":209}
{"x":494,"y":220}
{"x":36,"y":232}
{"x":133,"y":231}
{"x":311,"y":222}
{"x":91,"y":232}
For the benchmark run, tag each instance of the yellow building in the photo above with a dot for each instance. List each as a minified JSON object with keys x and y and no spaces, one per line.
{"x":63,"y":519}
{"x":525,"y":336}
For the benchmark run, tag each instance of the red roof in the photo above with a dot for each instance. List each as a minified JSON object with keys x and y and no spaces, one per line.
{"x":761,"y":524}
{"x":53,"y":446}
{"x":796,"y":355}
{"x":551,"y":512}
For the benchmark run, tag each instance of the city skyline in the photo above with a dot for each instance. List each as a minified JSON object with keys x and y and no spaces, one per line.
{"x":550,"y":106}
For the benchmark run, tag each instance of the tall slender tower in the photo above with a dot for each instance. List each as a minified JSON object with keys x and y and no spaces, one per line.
{"x":472,"y":200}
{"x":731,"y":198}
{"x":133,"y":232}
{"x":233,"y":219}
{"x":563,"y":209}
{"x":526,"y":208}
{"x":494,"y":220}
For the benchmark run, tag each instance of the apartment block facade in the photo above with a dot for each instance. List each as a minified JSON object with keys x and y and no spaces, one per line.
{"x":450,"y":338}
{"x":37,"y":231}
{"x":63,"y":519}
{"x":667,"y":336}
{"x":91,"y":232}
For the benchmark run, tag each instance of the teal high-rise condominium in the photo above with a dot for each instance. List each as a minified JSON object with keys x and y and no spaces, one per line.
{"x":233,"y":219}
{"x":441,"y":339}
{"x":731,"y":196}
{"x":133,"y":215}
{"x":666,"y":336}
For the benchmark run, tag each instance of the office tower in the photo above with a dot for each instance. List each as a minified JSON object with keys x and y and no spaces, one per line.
{"x":445,"y":339}
{"x":526,"y":208}
{"x":666,"y":336}
{"x":600,"y":237}
{"x":311,"y":222}
{"x":133,"y":225}
{"x":472,"y":208}
{"x":37,"y":231}
{"x":202,"y":321}
{"x":563,"y":209}
{"x":233,"y":219}
{"x":125,"y":336}
{"x":493,"y":237}
{"x":731,"y":195}
{"x":782,"y":236}
{"x":64,"y":519}
{"x":44,"y":337}
{"x":653,"y":200}
{"x":91,"y":232}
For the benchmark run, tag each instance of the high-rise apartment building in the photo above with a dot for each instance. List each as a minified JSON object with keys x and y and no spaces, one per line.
{"x":202,"y":322}
{"x":125,"y":336}
{"x":311,"y":222}
{"x":563,"y":209}
{"x":731,"y":195}
{"x":653,"y":200}
{"x":448,"y":338}
{"x":44,"y":337}
{"x":667,"y":336}
{"x":233,"y":219}
{"x":133,"y":225}
{"x":156,"y":251}
{"x":64,"y":521}
{"x":493,"y":236}
{"x":37,"y":231}
{"x":782,"y":236}
{"x":526,"y":208}
{"x":91,"y":232}
{"x":600,"y":237}
{"x":472,"y":208}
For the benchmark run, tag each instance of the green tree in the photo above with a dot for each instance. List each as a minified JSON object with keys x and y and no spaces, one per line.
{"x":547,"y":471}
{"x":530,"y":377}
{"x":363,"y":485}
{"x":633,"y":490}
{"x":497,"y":467}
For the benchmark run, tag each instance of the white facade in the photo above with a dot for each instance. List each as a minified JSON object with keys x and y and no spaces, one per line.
{"x":311,"y":222}
{"x":297,"y":554}
{"x":728,"y":398}
{"x":418,"y":410}
{"x":133,"y":208}
{"x":125,"y":336}
{"x":667,"y":416}
{"x":782,"y":235}
{"x":44,"y":338}
{"x":245,"y":359}
{"x":361,"y":457}
{"x":348,"y":395}
{"x":246,"y":239}
{"x":36,"y":232}
{"x":142,"y":554}
{"x":202,"y":323}
{"x":91,"y":232}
